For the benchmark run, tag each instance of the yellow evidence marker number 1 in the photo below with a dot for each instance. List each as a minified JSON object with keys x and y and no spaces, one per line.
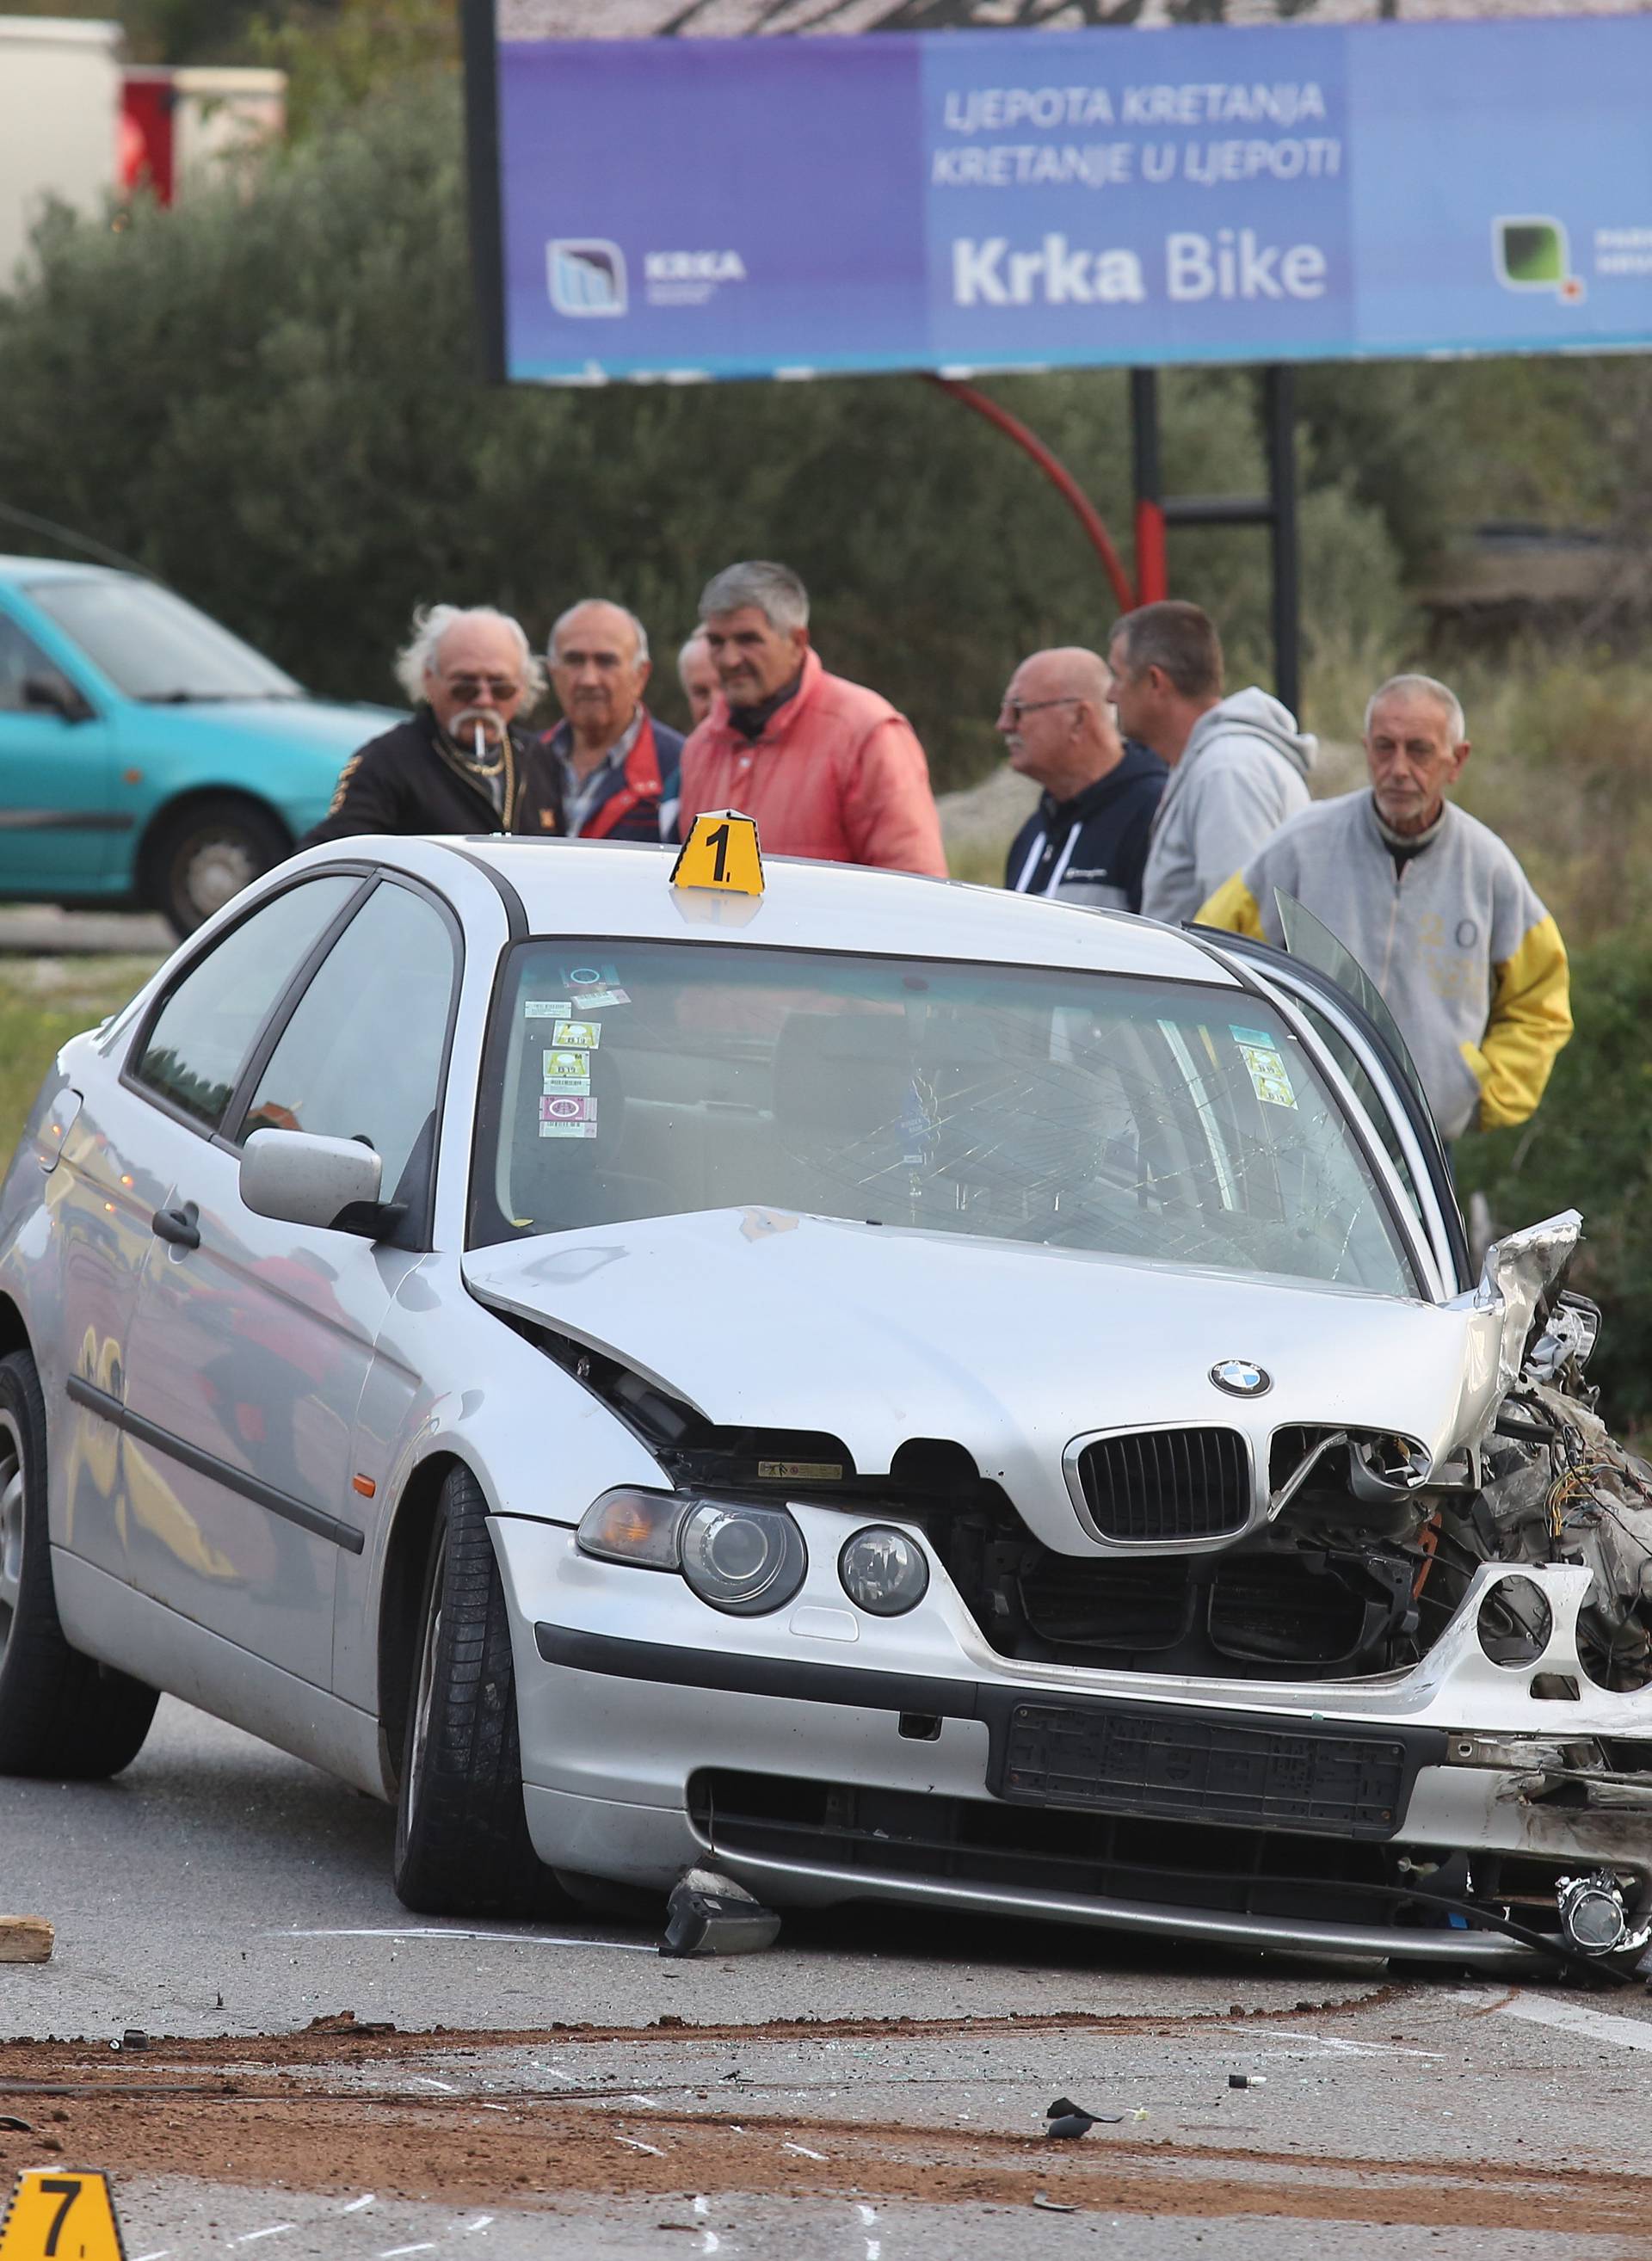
{"x":57,"y":2215}
{"x":721,"y":853}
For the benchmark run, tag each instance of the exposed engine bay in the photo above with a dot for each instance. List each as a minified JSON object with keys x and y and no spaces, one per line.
{"x":1365,"y":1555}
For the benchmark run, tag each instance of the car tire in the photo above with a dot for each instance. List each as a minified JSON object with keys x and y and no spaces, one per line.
{"x":201,"y":856}
{"x":462,"y":1842}
{"x":62,"y":1713}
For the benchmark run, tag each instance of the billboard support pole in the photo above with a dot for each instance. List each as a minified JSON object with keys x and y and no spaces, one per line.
{"x":1279,"y":414}
{"x":1055,"y":471}
{"x":1277,"y":510}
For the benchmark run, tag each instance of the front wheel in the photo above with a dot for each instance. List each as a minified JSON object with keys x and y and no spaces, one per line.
{"x":462,"y":1842}
{"x":60,"y":1713}
{"x":201,"y":856}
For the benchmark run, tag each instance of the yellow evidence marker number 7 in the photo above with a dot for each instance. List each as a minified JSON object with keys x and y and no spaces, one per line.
{"x":55,"y":2216}
{"x":721,"y":853}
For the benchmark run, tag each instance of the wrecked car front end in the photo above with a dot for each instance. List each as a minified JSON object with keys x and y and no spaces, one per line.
{"x":1090,"y":1485}
{"x":1318,"y":1686}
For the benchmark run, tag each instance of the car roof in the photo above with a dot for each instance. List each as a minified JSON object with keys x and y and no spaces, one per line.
{"x":59,"y":569}
{"x":592,"y":888}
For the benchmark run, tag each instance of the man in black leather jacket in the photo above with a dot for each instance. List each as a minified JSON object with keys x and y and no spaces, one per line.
{"x":461,"y":765}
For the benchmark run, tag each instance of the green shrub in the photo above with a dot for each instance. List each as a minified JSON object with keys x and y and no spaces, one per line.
{"x":1589,"y":1148}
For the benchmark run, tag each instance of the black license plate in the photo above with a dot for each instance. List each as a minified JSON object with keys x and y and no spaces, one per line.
{"x":1200,"y":1767}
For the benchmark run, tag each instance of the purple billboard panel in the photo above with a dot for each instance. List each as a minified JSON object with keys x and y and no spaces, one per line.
{"x":684,"y":206}
{"x":680,"y":208}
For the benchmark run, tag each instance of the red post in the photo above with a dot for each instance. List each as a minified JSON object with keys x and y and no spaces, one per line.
{"x":1152,"y":570}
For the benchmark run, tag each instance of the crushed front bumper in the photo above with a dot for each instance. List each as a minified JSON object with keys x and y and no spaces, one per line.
{"x":818,"y":1760}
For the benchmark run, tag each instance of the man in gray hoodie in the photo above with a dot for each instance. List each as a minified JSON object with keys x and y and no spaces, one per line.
{"x":1238,"y":766}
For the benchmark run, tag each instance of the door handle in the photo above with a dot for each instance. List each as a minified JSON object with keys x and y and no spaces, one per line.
{"x":178,"y":1225}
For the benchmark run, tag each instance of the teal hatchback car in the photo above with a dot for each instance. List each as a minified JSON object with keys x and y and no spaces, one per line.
{"x":148,"y":757}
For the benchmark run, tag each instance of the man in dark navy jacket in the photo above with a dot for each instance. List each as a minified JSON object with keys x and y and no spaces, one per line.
{"x":1085,"y":843}
{"x":618,"y":766}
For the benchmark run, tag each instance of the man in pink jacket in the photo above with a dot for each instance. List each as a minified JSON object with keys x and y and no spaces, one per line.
{"x":829,"y":769}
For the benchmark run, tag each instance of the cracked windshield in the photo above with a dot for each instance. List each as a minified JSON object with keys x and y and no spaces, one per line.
{"x":1085,"y":1111}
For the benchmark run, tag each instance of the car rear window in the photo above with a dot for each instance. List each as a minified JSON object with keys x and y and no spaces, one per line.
{"x":1154,"y":1119}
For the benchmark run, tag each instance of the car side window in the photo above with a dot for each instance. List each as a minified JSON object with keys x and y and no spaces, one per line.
{"x":199,"y":1041}
{"x":361,"y":1057}
{"x":23,"y":665}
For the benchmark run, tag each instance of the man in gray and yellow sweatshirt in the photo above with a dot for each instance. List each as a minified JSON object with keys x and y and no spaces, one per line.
{"x":1434,"y":906}
{"x":1238,"y":766}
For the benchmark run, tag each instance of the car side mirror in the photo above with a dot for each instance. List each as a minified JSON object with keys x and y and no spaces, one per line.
{"x":304,"y":1180}
{"x":54,"y":694}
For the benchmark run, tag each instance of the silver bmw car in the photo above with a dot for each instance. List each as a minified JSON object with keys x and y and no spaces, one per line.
{"x":868,"y":1390}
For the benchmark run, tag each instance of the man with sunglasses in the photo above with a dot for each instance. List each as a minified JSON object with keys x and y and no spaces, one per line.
{"x":1086,"y":843}
{"x":461,"y":765}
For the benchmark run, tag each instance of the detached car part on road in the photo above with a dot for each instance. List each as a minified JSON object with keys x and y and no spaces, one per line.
{"x":148,"y":757}
{"x":876,"y":1390}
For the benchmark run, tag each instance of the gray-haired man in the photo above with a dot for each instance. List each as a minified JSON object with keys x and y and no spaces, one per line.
{"x":828,"y":769}
{"x":1434,"y":906}
{"x":461,"y":765}
{"x":619,"y":765}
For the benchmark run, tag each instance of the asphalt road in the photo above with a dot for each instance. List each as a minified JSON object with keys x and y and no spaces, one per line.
{"x":869,"y":2089}
{"x":43,"y":931}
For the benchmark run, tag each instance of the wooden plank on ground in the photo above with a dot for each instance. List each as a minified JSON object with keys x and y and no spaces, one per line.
{"x":25,"y":1939}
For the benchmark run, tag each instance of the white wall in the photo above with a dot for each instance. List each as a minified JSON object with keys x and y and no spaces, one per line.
{"x":60,"y":118}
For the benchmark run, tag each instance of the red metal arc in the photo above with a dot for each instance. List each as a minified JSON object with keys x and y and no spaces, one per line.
{"x":1058,"y":476}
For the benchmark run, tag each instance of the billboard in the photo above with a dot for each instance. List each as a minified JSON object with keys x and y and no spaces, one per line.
{"x":686,"y":208}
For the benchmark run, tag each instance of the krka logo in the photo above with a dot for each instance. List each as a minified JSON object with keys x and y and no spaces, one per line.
{"x":586,"y":276}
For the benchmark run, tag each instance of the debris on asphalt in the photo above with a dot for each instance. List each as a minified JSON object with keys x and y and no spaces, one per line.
{"x":1069,"y":2120}
{"x":10,"y":2120}
{"x":1052,"y":2205}
{"x":346,"y":2021}
{"x":710,"y":1914}
{"x":25,"y":1939}
{"x":133,"y":2038}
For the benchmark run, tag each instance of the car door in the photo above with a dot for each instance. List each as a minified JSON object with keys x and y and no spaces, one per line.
{"x":111,"y":1178}
{"x":57,"y":833}
{"x":254,"y":1337}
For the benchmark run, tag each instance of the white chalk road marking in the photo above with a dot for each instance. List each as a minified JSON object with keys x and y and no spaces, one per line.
{"x":1574,"y":2018}
{"x":359,"y":2204}
{"x":487,"y":1938}
{"x":252,"y":2236}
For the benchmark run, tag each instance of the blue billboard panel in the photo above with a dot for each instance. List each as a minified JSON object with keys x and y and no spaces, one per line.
{"x":760,"y":207}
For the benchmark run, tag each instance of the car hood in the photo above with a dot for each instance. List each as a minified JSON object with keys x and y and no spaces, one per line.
{"x":316,"y":725}
{"x":875,"y":1335}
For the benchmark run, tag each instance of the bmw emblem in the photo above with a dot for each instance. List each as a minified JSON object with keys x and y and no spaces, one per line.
{"x":1241,"y":1379}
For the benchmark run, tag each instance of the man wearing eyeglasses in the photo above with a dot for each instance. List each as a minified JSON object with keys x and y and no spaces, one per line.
{"x":619,"y":765}
{"x":461,"y":765}
{"x":1086,"y":843}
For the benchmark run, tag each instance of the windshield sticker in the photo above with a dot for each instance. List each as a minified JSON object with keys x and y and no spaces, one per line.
{"x":562,"y":1116}
{"x":583,"y":1035}
{"x":593,"y":987}
{"x":1265,"y":1064}
{"x":567,"y":1071}
{"x":543,"y":1008}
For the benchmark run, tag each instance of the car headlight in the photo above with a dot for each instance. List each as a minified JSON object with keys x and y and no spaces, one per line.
{"x":883,"y":1571}
{"x":629,"y":1525}
{"x":744,"y":1560}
